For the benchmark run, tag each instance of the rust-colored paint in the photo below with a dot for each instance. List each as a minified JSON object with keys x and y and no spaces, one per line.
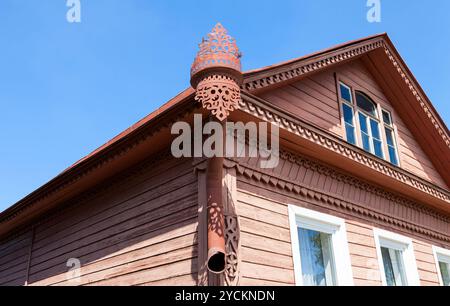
{"x":216,"y":223}
{"x":216,"y":76}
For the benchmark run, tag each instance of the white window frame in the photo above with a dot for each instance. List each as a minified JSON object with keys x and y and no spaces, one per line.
{"x":326,"y":224}
{"x":398,"y":242}
{"x":445,"y":255}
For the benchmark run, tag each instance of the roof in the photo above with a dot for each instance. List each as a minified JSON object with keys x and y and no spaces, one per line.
{"x":254,"y":81}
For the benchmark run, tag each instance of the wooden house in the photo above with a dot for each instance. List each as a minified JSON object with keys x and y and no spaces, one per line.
{"x":360,"y":195}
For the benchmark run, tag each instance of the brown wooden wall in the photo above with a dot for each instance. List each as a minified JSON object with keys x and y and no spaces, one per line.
{"x":315,"y":100}
{"x":262,"y":205}
{"x":142,"y":230}
{"x":14,"y":254}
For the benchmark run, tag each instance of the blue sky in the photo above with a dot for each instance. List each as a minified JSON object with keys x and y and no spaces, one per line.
{"x":65,"y":89}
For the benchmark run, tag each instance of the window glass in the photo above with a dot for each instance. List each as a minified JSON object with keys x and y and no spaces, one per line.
{"x":391,"y":146}
{"x":316,"y":258}
{"x":377,"y":143}
{"x":387,"y":118}
{"x":349,"y":123}
{"x":346,"y":93}
{"x":364,"y":132}
{"x":366,"y":104}
{"x":393,"y":267}
{"x":445,"y":273}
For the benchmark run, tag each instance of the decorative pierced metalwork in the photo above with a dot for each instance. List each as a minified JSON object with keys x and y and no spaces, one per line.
{"x":232,"y":248}
{"x":220,"y":94}
{"x":216,"y":73}
{"x":218,"y":50}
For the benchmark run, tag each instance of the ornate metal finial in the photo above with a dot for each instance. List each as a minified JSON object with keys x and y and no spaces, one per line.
{"x":216,"y":73}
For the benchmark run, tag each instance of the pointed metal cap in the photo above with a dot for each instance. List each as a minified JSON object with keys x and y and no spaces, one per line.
{"x":218,"y":52}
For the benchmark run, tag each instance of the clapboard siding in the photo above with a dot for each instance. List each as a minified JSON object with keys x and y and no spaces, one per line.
{"x":14,"y":257}
{"x":314,"y":99}
{"x":308,"y":103}
{"x":140,"y":231}
{"x":426,"y":265}
{"x":363,"y":254}
{"x":266,"y":251}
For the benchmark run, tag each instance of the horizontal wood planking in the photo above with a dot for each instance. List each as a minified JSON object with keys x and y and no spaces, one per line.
{"x":183,"y":280}
{"x":141,"y":226}
{"x":176,"y":236}
{"x":108,"y":203}
{"x":363,"y":254}
{"x":248,"y":281}
{"x":14,"y":255}
{"x":266,"y":252}
{"x":112,"y":235}
{"x":426,"y":264}
{"x":175,"y":269}
{"x":271,"y":259}
{"x":154,"y":259}
{"x":132,"y":214}
{"x":267,"y":273}
{"x":311,"y":101}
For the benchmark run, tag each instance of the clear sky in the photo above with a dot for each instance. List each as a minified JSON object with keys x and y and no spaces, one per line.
{"x":67,"y":88}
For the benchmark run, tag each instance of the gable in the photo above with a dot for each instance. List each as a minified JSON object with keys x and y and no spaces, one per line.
{"x":315,"y":100}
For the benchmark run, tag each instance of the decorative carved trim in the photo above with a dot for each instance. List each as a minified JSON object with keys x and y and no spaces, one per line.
{"x":416,"y":92}
{"x":301,"y":68}
{"x":232,"y":236}
{"x":309,"y":193}
{"x":219,"y":94}
{"x":251,"y":105}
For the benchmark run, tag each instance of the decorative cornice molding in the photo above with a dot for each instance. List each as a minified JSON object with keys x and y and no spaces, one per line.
{"x":302,"y":68}
{"x":259,"y":108}
{"x":309,"y":193}
{"x":416,"y":92}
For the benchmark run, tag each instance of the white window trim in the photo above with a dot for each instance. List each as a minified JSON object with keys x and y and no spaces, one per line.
{"x":399,"y":242}
{"x":327,"y":224}
{"x":439,"y":253}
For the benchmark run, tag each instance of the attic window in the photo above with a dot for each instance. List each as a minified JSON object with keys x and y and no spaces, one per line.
{"x":367,"y":125}
{"x":366,"y":104}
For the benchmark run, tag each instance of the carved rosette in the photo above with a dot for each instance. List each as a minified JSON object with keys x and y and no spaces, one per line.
{"x":216,"y":73}
{"x":232,"y":248}
{"x":219,"y":94}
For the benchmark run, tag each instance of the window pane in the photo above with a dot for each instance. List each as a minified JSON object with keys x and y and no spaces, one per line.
{"x":393,"y":267}
{"x":375,"y":129}
{"x":445,"y":273}
{"x":387,"y":118}
{"x":348,"y":113}
{"x":350,"y":131}
{"x":393,"y":155}
{"x":388,"y":269}
{"x":366,"y":142}
{"x":316,"y":258}
{"x":378,"y":148}
{"x":389,"y":137}
{"x":346,"y":93}
{"x":363,"y":123}
{"x":366,"y":104}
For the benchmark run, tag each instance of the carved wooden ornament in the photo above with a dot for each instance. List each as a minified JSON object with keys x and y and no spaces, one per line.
{"x":216,"y":73}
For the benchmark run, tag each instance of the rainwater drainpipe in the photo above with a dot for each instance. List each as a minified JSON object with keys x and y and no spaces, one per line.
{"x":216,"y":76}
